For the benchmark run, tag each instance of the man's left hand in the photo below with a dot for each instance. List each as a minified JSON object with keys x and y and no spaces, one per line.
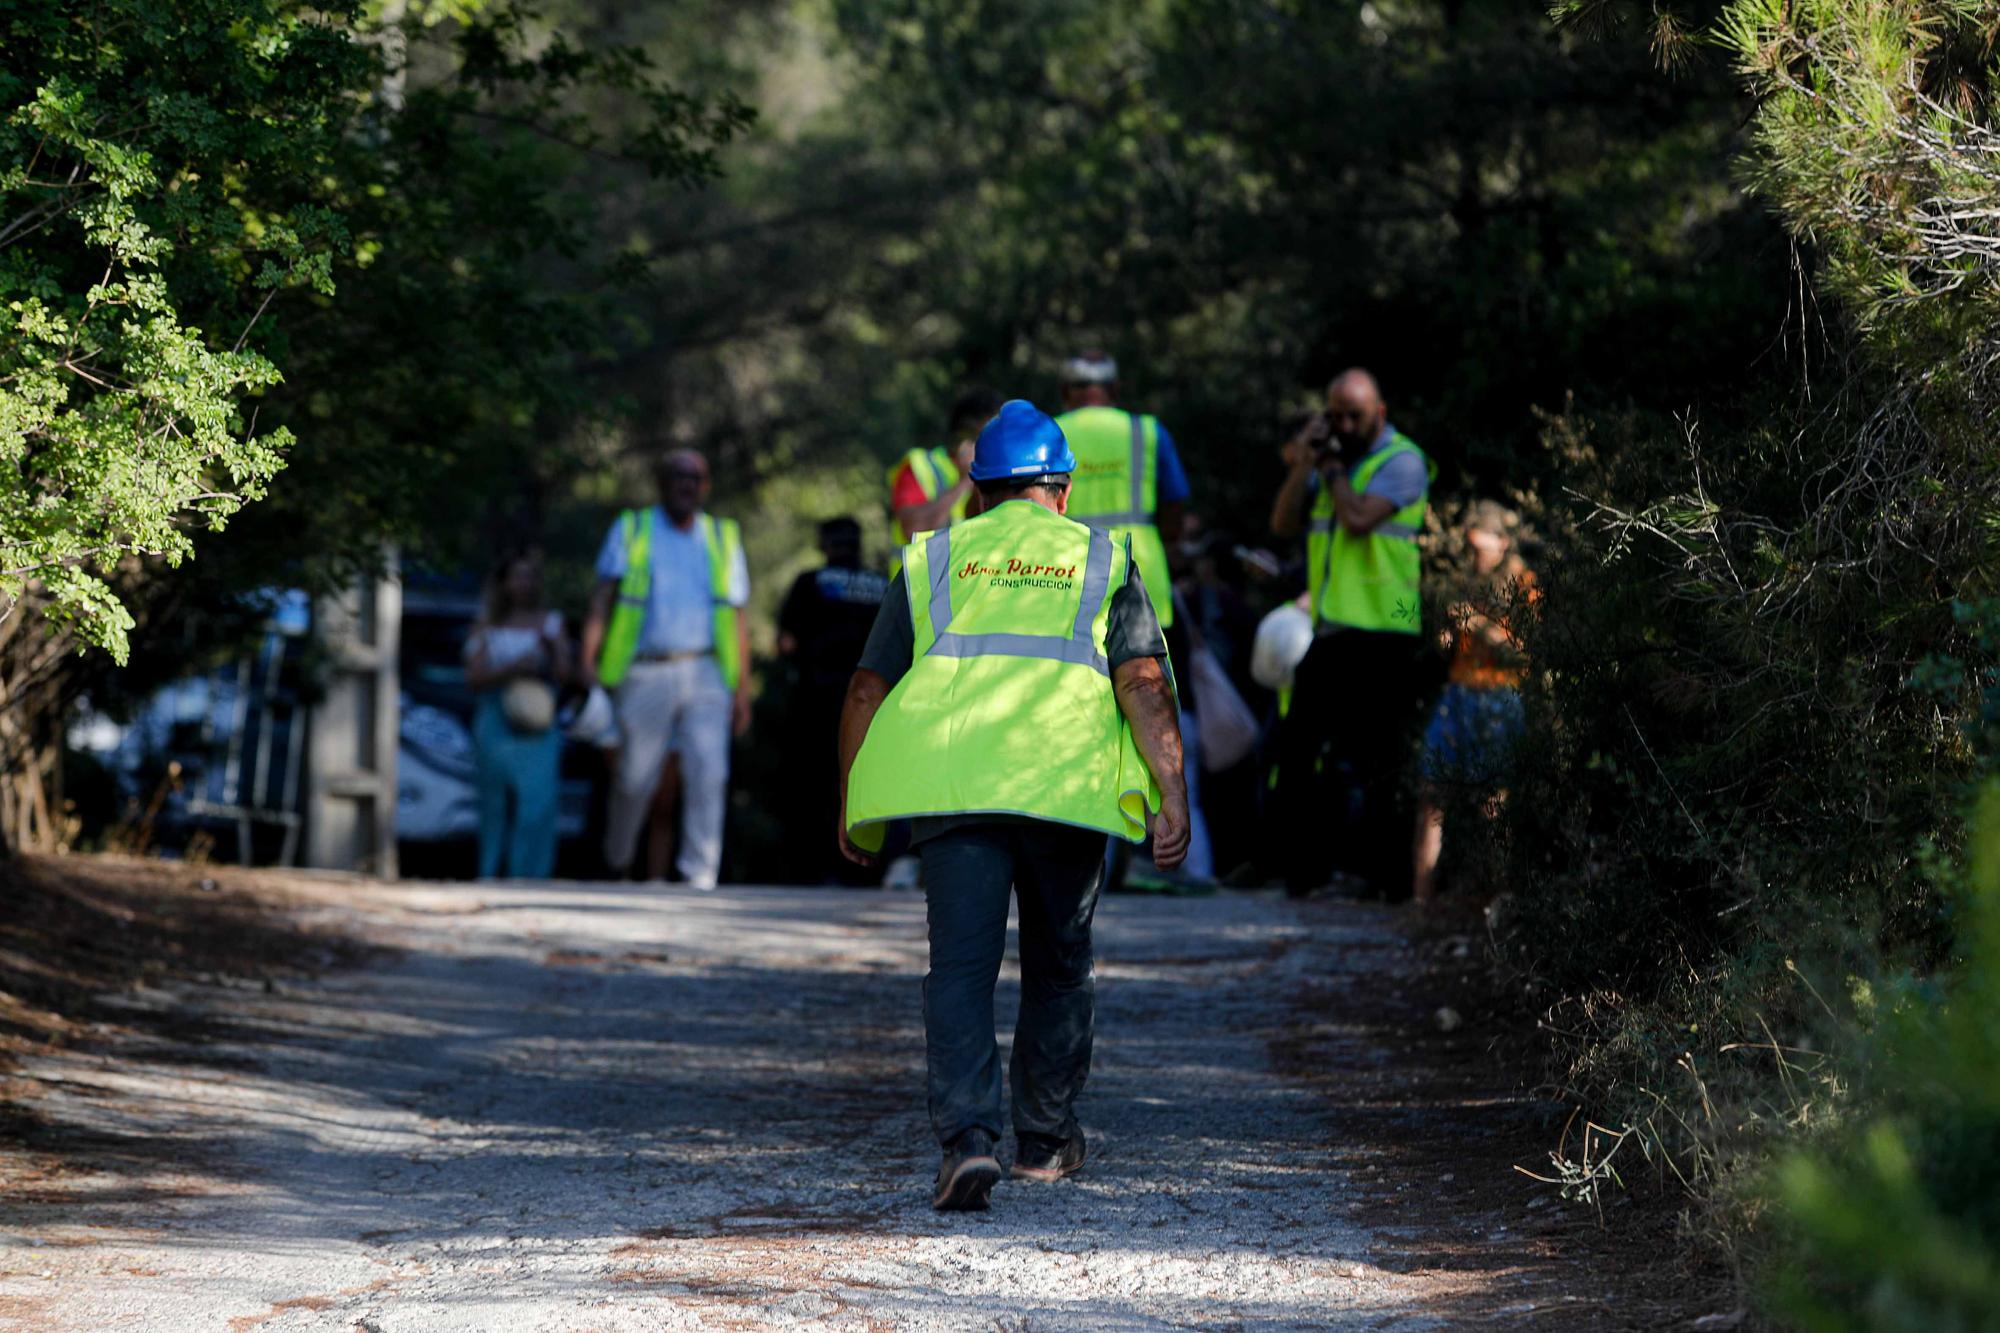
{"x":1171,"y":830}
{"x":847,"y":847}
{"x":739,"y":715}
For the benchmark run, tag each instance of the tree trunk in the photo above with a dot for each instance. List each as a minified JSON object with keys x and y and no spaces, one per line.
{"x":38,"y":683}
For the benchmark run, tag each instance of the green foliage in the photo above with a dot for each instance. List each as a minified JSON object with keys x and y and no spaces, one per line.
{"x":1874,"y":137}
{"x":160,"y":171}
{"x":1235,"y":199}
{"x":447,"y":395}
{"x":1895,"y":1223}
{"x":245,"y":235}
{"x":1767,"y":684}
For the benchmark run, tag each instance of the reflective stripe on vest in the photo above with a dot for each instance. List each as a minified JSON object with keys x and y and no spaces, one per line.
{"x":723,"y":539}
{"x":1080,"y":647}
{"x":1108,"y":439}
{"x":1372,"y":581}
{"x":1008,"y":705}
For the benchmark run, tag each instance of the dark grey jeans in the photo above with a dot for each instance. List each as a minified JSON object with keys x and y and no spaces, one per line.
{"x":969,"y":874}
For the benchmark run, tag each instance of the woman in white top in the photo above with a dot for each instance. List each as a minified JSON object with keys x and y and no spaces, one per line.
{"x":513,"y":659}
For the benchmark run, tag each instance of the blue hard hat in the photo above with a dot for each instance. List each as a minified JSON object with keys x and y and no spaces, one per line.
{"x":1020,"y":441}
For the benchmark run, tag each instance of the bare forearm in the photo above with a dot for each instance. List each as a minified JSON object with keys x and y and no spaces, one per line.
{"x":1146,"y":697}
{"x":1359,"y":514}
{"x":1288,"y":511}
{"x":594,"y":622}
{"x":933,"y":514}
{"x":865,"y":692}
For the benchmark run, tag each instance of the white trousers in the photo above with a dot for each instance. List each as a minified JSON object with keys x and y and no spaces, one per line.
{"x":684,"y":708}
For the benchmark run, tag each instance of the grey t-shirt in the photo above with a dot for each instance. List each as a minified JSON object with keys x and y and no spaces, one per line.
{"x":1133,"y":630}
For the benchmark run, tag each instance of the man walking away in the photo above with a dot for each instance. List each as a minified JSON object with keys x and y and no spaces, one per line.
{"x":666,"y":634}
{"x":929,"y":488}
{"x":1129,"y":479}
{"x":1013,"y":702}
{"x":822,"y":629}
{"x":1360,"y":486}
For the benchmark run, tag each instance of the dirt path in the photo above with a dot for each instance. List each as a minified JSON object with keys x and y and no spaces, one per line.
{"x":557,"y":1107}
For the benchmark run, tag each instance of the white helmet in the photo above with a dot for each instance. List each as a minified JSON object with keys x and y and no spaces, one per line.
{"x":591,"y":719}
{"x":1282,"y":640}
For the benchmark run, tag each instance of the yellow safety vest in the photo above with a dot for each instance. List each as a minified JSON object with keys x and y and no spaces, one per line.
{"x":1007,"y":707}
{"x":628,"y":615}
{"x":935,"y":471}
{"x":1367,"y":582}
{"x":1116,"y":488}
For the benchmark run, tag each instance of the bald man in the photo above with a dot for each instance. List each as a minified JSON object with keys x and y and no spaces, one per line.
{"x":665,"y":632}
{"x":1357,"y":488}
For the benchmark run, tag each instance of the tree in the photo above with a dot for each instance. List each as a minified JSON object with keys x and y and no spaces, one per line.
{"x":1735,"y":840}
{"x":241,"y":235}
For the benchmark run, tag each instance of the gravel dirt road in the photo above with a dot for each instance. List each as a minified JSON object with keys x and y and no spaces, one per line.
{"x":565,"y":1107}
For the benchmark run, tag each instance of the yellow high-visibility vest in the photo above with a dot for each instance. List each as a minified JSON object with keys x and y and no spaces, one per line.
{"x":1007,"y":707}
{"x":1367,"y":582}
{"x":1116,"y":488}
{"x":628,"y":616}
{"x":935,"y":470}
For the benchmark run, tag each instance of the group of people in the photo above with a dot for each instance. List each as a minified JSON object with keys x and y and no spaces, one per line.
{"x":1322,"y":800}
{"x":661,"y":680}
{"x":1004,"y":703}
{"x":1358,"y":490}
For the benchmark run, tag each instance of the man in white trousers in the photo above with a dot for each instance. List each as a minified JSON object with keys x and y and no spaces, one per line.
{"x":667,"y":636}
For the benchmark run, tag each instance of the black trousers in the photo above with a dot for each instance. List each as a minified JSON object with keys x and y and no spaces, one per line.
{"x":812,"y":725}
{"x":1339,"y":803}
{"x":970,"y":872}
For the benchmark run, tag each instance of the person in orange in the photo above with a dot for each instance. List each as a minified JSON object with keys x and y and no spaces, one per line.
{"x":1471,"y":736}
{"x":932,"y":488}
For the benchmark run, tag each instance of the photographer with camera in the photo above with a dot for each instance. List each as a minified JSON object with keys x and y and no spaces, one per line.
{"x":1357,"y":487}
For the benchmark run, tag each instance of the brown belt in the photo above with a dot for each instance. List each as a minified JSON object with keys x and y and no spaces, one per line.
{"x":684,"y":655}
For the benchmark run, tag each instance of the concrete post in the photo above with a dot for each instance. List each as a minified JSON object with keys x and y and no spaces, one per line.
{"x":351,"y":757}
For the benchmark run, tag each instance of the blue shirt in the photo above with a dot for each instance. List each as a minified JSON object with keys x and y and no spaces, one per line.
{"x":1401,"y":480}
{"x":1169,"y":478}
{"x":680,"y":616}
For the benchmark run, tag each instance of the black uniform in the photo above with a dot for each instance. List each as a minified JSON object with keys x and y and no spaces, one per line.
{"x":828,"y":612}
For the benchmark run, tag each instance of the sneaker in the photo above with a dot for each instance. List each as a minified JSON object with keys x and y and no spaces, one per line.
{"x":967,"y":1175}
{"x":1038,"y":1157}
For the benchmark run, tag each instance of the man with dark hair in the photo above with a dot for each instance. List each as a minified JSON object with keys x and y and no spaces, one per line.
{"x":1358,"y":487}
{"x":822,"y":628}
{"x":1013,"y":702}
{"x":929,"y":488}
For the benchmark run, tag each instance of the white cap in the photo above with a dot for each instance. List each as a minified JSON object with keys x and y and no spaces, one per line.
{"x":1283,"y":638}
{"x":594,"y":720}
{"x":1098,"y":369}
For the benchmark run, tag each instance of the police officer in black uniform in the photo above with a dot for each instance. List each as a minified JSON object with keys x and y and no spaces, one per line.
{"x":822,"y":628}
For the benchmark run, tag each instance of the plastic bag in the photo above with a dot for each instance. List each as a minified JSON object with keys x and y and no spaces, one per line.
{"x":1228,"y":727}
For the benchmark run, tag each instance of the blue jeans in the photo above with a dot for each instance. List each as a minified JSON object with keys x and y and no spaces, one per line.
{"x":969,"y":874}
{"x":1471,"y":736}
{"x":526,"y":768}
